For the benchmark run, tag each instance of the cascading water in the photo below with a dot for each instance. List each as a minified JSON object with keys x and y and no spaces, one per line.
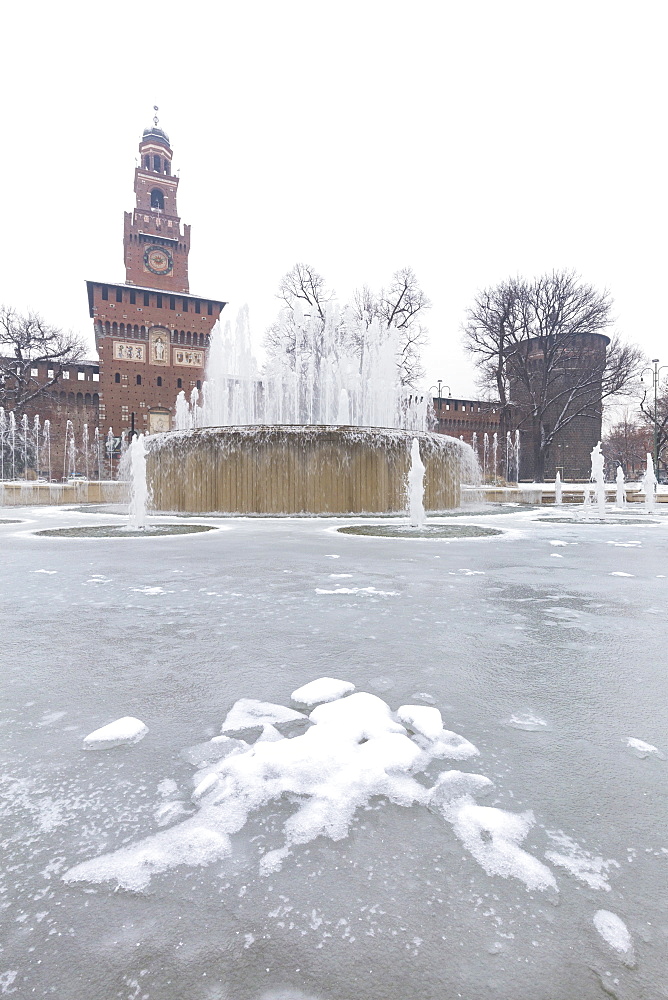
{"x":138,"y":484}
{"x":3,"y":441}
{"x":12,"y":442}
{"x":598,"y":476}
{"x":415,"y":488}
{"x":97,"y":444}
{"x":85,"y":449}
{"x":517,"y":455}
{"x":649,"y":484}
{"x":24,"y":428}
{"x":323,"y":377}
{"x":557,"y":489}
{"x":70,"y":456}
{"x":110,"y":451}
{"x":620,"y":497}
{"x":485,"y":456}
{"x":46,"y":436}
{"x":495,"y":448}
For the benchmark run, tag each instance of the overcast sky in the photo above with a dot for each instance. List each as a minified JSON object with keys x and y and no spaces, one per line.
{"x":470,"y":141}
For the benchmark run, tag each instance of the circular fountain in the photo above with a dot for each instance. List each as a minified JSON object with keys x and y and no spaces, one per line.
{"x":324,"y":430}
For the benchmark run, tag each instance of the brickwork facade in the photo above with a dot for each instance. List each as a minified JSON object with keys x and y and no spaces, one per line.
{"x":151,"y":333}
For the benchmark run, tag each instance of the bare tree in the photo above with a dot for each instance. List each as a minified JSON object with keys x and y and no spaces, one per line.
{"x":656,"y":420}
{"x":493,"y":324}
{"x":25,"y":341}
{"x":302,"y":291}
{"x":535,"y":344}
{"x":402,"y":305}
{"x":627,"y":442}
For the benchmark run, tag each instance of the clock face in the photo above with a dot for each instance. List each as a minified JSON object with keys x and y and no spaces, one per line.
{"x":158,"y":260}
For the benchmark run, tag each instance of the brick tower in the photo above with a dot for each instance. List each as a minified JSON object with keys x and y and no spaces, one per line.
{"x":151,"y":333}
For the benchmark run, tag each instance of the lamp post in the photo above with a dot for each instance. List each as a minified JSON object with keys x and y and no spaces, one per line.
{"x":655,"y":372}
{"x":440,"y":383}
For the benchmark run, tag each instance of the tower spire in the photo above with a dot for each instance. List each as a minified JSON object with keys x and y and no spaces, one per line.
{"x":155,"y":116}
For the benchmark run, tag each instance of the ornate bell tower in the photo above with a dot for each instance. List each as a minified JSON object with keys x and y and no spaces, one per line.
{"x":155,"y":250}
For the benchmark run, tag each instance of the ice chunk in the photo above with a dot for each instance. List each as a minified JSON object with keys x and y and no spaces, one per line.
{"x":493,"y":835}
{"x":644,"y":749}
{"x":448,"y":745}
{"x":247,"y":714}
{"x":322,"y":690}
{"x":615,"y":933}
{"x":359,"y":717}
{"x":557,"y":542}
{"x":212,"y":750}
{"x":421,"y":719}
{"x":122,"y":732}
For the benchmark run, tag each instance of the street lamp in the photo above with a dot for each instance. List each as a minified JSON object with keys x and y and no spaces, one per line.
{"x":655,"y":372}
{"x":440,"y":383}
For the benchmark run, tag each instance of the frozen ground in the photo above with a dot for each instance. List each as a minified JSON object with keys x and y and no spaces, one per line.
{"x":549,"y":884}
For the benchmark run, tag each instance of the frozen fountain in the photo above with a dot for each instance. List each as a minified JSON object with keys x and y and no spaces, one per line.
{"x":415,"y":488}
{"x":326,"y":428}
{"x":649,"y":484}
{"x":620,"y":495}
{"x":598,"y":476}
{"x":557,"y":490}
{"x":138,"y":485}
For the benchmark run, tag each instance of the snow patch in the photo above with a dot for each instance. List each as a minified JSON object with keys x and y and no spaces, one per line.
{"x":615,"y":933}
{"x":644,"y":749}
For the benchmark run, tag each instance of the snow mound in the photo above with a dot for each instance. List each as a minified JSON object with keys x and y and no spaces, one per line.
{"x":355,"y":750}
{"x":615,"y":933}
{"x":321,"y":690}
{"x":122,"y":732}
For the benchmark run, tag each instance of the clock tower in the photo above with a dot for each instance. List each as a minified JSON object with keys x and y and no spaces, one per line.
{"x":155,"y":249}
{"x":151,"y":332}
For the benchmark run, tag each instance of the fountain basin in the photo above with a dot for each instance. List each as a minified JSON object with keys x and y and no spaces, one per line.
{"x":122,"y":531}
{"x":434,"y":531}
{"x":296,"y":469}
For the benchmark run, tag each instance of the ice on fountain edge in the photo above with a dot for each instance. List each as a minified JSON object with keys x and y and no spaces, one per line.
{"x":330,"y":763}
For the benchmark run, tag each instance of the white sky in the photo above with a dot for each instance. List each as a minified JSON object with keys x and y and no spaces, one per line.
{"x":470,"y":141}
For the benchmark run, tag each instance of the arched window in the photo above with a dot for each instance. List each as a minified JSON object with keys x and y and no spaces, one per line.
{"x":199,"y":384}
{"x":96,"y":399}
{"x":179,"y":383}
{"x":156,"y":163}
{"x":63,"y":397}
{"x":70,"y":398}
{"x":188,"y":338}
{"x":87,"y":399}
{"x":80,"y":399}
{"x":147,"y":162}
{"x":107,"y":327}
{"x":181,"y":337}
{"x":138,"y":379}
{"x":117,"y":377}
{"x":159,"y":380}
{"x":168,"y":169}
{"x":157,"y":198}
